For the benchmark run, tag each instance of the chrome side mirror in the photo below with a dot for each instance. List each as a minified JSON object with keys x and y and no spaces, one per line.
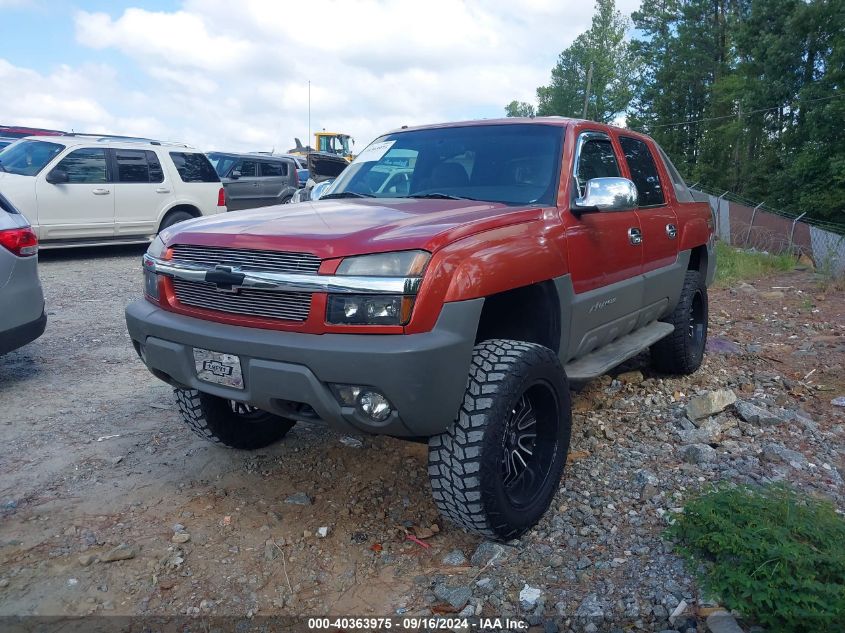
{"x":607,"y":194}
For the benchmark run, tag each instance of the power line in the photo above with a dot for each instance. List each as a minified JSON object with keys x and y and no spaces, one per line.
{"x":733,"y":116}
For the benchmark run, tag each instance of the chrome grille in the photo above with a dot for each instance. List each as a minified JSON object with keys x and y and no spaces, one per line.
{"x":248,"y":259}
{"x":291,"y":306}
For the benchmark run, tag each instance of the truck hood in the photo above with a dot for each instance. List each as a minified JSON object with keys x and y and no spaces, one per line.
{"x":338,"y":228}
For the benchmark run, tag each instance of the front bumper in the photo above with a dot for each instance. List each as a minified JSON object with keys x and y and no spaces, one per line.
{"x":423,"y":375}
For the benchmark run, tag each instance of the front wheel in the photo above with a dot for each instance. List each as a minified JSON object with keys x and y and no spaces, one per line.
{"x":682,"y":351}
{"x":234,"y":424}
{"x":497,"y":467}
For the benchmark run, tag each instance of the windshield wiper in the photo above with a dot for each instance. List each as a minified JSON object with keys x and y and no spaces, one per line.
{"x":347,"y":194}
{"x":439,"y":196}
{"x":1,"y":166}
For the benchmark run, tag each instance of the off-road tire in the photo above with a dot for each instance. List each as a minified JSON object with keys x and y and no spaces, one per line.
{"x":215,"y":420}
{"x":681,"y":352}
{"x":174,"y":217}
{"x":465,"y":464}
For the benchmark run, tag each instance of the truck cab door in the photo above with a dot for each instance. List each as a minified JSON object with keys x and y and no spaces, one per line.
{"x":659,"y":222}
{"x":603,"y":250}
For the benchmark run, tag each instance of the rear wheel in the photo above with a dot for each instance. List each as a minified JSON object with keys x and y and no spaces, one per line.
{"x":235,"y":424}
{"x":683,"y":350}
{"x":497,"y":467}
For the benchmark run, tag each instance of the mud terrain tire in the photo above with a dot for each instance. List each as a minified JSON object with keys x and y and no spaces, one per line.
{"x":228,"y":422}
{"x":487,"y":474}
{"x":682,"y":351}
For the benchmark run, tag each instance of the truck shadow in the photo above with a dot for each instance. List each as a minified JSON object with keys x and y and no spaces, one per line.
{"x":91,"y":252}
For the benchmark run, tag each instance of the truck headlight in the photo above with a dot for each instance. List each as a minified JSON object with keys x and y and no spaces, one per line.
{"x":369,"y":309}
{"x":156,"y":249}
{"x":381,"y":309}
{"x":398,"y":264}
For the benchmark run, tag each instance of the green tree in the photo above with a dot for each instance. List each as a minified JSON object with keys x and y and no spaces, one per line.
{"x":519,"y":108}
{"x":604,"y":48}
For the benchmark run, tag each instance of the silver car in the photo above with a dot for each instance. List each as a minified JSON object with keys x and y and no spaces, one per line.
{"x":255,"y":180}
{"x":22,"y":317}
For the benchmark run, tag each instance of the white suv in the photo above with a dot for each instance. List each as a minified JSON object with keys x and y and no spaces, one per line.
{"x":90,"y":190}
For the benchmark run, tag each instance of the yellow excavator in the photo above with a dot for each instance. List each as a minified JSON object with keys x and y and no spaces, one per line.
{"x":336,"y":143}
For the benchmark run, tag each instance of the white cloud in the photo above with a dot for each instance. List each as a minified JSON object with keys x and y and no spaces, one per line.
{"x":235,"y":76}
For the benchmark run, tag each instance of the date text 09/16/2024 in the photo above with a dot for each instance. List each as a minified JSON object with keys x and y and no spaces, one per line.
{"x":416,"y":623}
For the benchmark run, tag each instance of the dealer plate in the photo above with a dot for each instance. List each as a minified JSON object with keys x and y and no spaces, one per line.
{"x":219,"y":368}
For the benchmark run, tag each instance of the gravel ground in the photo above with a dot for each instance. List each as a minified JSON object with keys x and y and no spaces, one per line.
{"x":108,"y":504}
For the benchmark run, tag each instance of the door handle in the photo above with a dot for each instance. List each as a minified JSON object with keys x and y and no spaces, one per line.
{"x":99,"y":191}
{"x":671,"y":231}
{"x":162,"y":190}
{"x":635,"y":236}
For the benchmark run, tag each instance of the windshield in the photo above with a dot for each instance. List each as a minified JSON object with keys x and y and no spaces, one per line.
{"x":222,"y":163}
{"x":514,"y":164}
{"x":338,"y":144}
{"x":27,"y":158}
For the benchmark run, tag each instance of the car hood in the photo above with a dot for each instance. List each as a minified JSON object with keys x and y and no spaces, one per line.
{"x":338,"y":228}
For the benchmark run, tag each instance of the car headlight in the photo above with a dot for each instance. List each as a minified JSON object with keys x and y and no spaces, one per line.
{"x":398,"y":264}
{"x":381,"y":309}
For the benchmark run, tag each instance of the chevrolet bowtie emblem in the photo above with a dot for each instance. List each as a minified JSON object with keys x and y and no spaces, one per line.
{"x":224,"y":278}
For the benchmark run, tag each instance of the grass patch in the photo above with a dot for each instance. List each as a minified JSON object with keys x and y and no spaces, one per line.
{"x":733,"y":264}
{"x":775,"y":555}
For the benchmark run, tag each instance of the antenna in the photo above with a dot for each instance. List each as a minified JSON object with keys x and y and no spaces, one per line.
{"x":308,"y":138}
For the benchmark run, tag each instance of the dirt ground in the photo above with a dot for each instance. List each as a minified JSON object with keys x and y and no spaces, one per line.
{"x":96,"y":464}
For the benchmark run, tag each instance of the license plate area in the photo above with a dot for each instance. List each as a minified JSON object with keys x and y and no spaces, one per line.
{"x":218,"y":368}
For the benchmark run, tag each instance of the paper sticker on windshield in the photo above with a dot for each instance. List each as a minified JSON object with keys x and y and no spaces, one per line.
{"x":374,"y":152}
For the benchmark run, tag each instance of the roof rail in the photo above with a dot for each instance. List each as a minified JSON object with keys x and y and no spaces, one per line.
{"x":105,"y":138}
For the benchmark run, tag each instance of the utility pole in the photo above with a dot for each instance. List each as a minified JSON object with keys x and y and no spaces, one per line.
{"x":308,"y":138}
{"x":587,"y":91}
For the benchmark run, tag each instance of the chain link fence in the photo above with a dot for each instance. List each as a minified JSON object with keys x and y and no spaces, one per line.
{"x":750,"y":225}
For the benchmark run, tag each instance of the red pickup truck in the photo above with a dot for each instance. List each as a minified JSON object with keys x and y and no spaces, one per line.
{"x":448,"y":288}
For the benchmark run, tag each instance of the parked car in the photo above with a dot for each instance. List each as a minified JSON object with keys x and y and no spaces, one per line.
{"x":524,"y":254}
{"x":255,"y":180}
{"x":83,"y":190}
{"x":22,"y":317}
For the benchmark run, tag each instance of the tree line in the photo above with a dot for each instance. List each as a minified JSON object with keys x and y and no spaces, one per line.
{"x":744,"y":95}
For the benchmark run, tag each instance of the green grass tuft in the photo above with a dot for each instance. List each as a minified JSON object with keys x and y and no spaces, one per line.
{"x":733,"y":264}
{"x":775,"y":555}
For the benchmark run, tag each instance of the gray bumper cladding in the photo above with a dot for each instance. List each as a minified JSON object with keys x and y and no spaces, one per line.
{"x":423,"y":375}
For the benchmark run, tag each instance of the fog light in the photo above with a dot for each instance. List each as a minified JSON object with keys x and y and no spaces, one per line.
{"x":374,"y":405}
{"x":347,"y":394}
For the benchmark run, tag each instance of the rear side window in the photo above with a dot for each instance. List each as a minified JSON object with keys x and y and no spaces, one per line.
{"x":643,"y":171}
{"x":273,"y":168}
{"x":194,"y":167}
{"x":138,"y":166}
{"x":682,"y":192}
{"x":85,"y":166}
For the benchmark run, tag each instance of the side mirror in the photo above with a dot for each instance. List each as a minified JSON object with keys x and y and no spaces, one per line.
{"x":607,"y":194}
{"x":57,"y":176}
{"x":235,"y":175}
